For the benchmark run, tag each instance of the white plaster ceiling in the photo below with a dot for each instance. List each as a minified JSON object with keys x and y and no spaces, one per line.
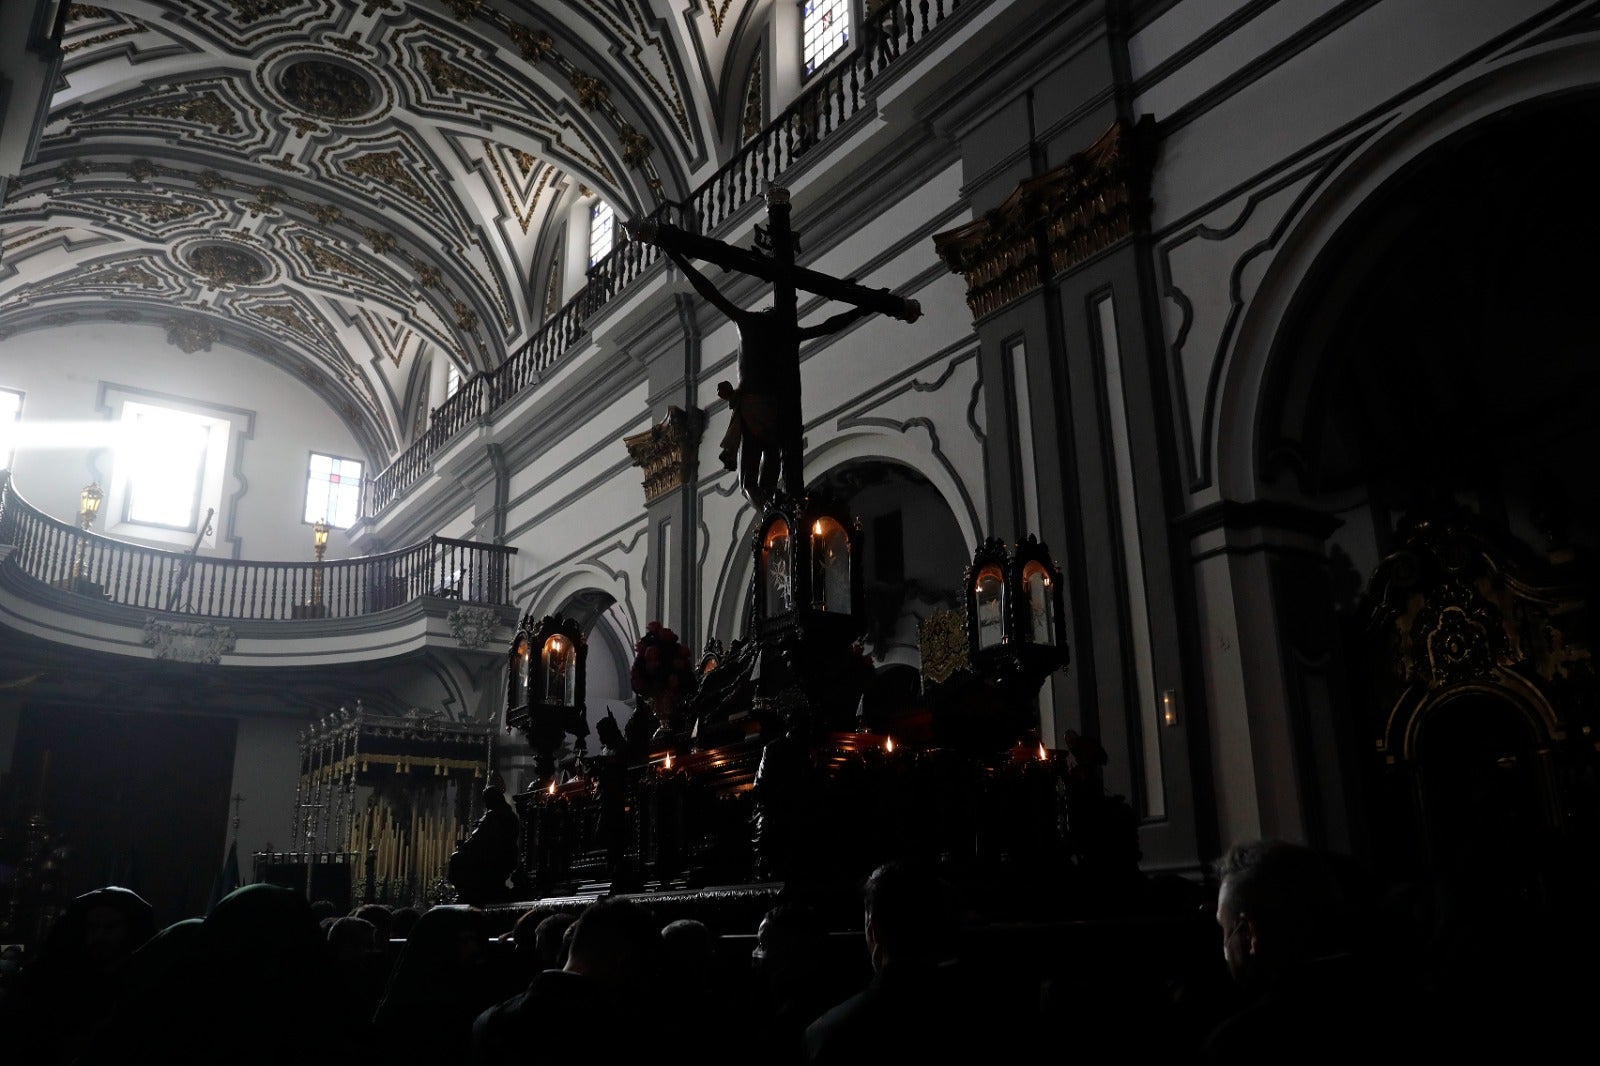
{"x":347,"y":187}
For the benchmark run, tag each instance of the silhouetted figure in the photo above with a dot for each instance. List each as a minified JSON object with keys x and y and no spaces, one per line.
{"x":918,"y":1007}
{"x":550,"y":940}
{"x":600,"y":1007}
{"x":794,"y":986}
{"x":382,"y":919}
{"x":358,"y":976}
{"x":482,"y":865}
{"x":687,"y":947}
{"x":68,"y":990}
{"x":1288,"y":938}
{"x":404,"y":920}
{"x":203,"y":992}
{"x":440,"y":983}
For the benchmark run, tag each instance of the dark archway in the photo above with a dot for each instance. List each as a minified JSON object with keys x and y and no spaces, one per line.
{"x":1436,"y":376}
{"x":914,"y":551}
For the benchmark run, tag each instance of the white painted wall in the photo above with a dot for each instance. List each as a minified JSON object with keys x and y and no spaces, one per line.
{"x":62,"y":370}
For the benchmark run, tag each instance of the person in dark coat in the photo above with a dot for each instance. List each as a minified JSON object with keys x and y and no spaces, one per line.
{"x":439,"y":985}
{"x":921,"y":1004}
{"x":483,"y":864}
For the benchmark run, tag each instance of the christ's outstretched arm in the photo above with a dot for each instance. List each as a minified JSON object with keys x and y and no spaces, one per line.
{"x":833,"y":324}
{"x":703,"y":286}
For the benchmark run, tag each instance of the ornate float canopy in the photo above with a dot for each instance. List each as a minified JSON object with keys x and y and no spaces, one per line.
{"x":346,"y":187}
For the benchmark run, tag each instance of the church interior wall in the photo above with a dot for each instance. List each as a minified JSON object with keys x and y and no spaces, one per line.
{"x":63,"y":370}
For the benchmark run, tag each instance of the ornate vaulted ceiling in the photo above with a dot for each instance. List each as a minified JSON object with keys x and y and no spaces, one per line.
{"x":346,"y":186}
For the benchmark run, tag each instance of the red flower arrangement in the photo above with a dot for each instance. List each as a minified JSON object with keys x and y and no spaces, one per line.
{"x":661,"y":665}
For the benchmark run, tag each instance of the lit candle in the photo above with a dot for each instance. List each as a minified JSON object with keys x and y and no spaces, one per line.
{"x":1044,"y":756}
{"x":888,"y":745}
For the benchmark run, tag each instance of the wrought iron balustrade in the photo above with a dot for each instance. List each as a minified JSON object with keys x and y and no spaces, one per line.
{"x":827,"y":104}
{"x":63,"y":556}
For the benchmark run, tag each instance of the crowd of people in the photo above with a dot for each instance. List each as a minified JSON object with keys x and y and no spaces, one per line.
{"x":267,"y":977}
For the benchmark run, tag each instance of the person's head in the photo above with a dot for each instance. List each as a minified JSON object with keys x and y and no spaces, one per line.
{"x":790,"y":944}
{"x":688,"y":946}
{"x":325,"y":908}
{"x":549,"y":944}
{"x":352,"y":939}
{"x":614,"y":940}
{"x":404,"y":920}
{"x":1278,"y":905}
{"x":381,"y":919}
{"x":909,"y":918}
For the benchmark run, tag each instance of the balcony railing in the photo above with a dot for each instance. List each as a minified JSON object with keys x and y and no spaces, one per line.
{"x":63,"y":556}
{"x":836,"y":95}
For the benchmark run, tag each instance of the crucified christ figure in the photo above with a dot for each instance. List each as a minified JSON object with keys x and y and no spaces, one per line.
{"x":764,"y":437}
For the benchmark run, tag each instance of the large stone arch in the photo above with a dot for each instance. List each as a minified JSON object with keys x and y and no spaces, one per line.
{"x":1431,"y":119}
{"x":727,"y":574}
{"x":1276,"y":686}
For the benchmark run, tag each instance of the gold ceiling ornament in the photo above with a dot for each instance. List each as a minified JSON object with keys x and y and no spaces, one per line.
{"x":667,"y":452}
{"x":250,"y":11}
{"x":192,"y":333}
{"x":351,"y":45}
{"x":206,"y":109}
{"x":388,"y":168}
{"x":591,"y":91}
{"x":154,"y":212}
{"x":428,"y":277}
{"x":379,"y":240}
{"x":526,"y":161}
{"x":329,"y":89}
{"x":448,"y":77}
{"x":128,"y":274}
{"x":141,"y":170}
{"x":464,"y":9}
{"x":371,"y":7}
{"x":210,"y":180}
{"x":303,"y":126}
{"x":71,"y":170}
{"x":718,"y":14}
{"x":533,"y":44}
{"x":466,"y":317}
{"x":265,"y":200}
{"x":1055,"y":220}
{"x":332,"y":262}
{"x":81,"y":12}
{"x":636,"y":147}
{"x":226,"y":265}
{"x":327,"y":214}
{"x":285,"y":316}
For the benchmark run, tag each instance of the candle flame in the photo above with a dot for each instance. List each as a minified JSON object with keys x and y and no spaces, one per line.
{"x":552,"y":786}
{"x":667,"y":764}
{"x":1043,"y":755}
{"x":816,"y":528}
{"x":888,"y":744}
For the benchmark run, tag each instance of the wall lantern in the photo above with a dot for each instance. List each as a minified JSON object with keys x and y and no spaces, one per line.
{"x":545,"y":686}
{"x":807,"y":569}
{"x":1016,"y":608}
{"x":89,"y":498}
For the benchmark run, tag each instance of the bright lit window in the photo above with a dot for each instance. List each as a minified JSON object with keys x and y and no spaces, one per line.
{"x":824,"y":29}
{"x":10,"y":415}
{"x":600,"y":225}
{"x":162,"y":462}
{"x":452,"y":380}
{"x":333,"y":490}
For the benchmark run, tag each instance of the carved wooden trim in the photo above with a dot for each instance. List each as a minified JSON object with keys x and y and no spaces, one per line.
{"x":1056,"y":220}
{"x":667,"y":451}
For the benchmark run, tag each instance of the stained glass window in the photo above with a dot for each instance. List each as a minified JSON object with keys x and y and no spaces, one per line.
{"x":824,"y":30}
{"x":333,"y":490}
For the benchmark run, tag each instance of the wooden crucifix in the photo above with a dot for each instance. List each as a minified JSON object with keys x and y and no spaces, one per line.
{"x":763,"y":441}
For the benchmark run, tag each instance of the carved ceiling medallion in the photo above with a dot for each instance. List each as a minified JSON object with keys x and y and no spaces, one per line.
{"x":328,"y":89}
{"x":227,"y":264}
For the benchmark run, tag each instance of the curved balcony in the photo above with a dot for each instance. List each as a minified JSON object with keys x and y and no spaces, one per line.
{"x":64,"y":584}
